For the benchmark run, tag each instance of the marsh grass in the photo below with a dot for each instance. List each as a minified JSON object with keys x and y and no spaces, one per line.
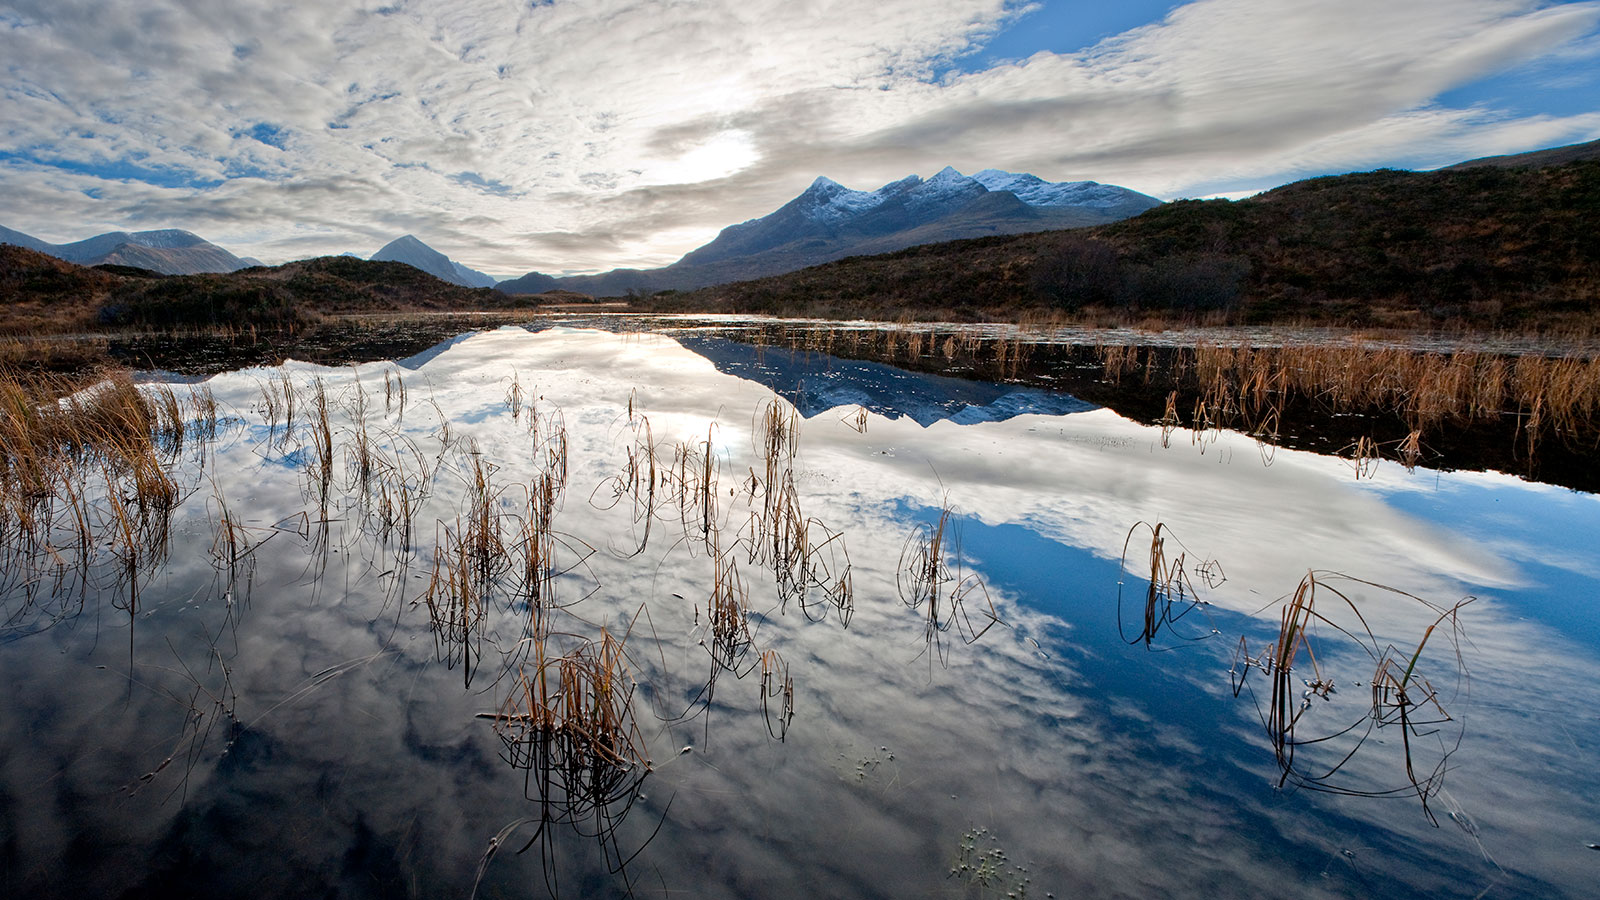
{"x":568,"y":723}
{"x":1248,"y":388}
{"x":809,"y":561}
{"x":1170,"y":591}
{"x":1304,"y":676}
{"x":931,"y":580}
{"x":85,"y":480}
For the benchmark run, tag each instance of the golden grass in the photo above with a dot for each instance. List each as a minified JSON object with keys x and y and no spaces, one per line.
{"x":84,"y":475}
{"x":1247,"y":387}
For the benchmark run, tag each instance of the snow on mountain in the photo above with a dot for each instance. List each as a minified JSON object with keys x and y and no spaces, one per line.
{"x":828,"y":221}
{"x":833,"y":202}
{"x":415,"y":253}
{"x":1035,"y":191}
{"x":829,"y":203}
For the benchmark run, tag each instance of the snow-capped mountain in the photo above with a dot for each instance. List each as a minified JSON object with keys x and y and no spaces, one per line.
{"x":415,"y":253}
{"x":817,"y":383}
{"x":1035,"y":191}
{"x":170,"y":251}
{"x":829,"y":221}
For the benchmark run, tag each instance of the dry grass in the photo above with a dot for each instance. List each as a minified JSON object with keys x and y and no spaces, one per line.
{"x":1248,"y":387}
{"x":1170,"y":592}
{"x":1403,"y":698}
{"x":931,"y":580}
{"x":85,"y":477}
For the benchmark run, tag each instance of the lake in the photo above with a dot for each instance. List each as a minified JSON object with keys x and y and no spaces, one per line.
{"x":574,"y":612}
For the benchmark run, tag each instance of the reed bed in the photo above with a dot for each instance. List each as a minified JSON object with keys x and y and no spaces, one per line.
{"x":86,"y":484}
{"x":1247,"y":387}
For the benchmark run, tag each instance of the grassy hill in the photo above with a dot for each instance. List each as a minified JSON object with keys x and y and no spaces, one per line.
{"x":1490,"y":246}
{"x":42,"y":294}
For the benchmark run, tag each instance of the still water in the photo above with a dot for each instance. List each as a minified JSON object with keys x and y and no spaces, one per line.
{"x":830,"y":629}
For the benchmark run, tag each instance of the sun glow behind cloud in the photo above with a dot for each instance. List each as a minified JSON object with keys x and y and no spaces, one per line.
{"x":723,"y":155}
{"x":579,"y":136}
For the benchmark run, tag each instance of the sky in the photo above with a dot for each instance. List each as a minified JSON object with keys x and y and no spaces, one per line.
{"x":570,"y":137}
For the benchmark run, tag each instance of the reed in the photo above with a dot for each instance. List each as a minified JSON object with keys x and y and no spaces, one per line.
{"x":568,"y":723}
{"x":1170,"y":593}
{"x":1248,"y":387}
{"x":1402,"y":697}
{"x":320,"y":464}
{"x":941,"y":593}
{"x":776,"y":684}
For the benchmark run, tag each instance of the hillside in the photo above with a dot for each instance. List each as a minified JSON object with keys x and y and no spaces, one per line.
{"x":1491,"y":246}
{"x":39,"y":293}
{"x":1554,"y":156}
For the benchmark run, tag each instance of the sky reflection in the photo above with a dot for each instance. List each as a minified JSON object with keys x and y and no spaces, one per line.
{"x":354,"y":758}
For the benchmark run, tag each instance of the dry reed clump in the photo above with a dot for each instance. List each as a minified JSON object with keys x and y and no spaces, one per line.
{"x":568,"y":723}
{"x":568,"y":720}
{"x":1247,"y":387}
{"x":929,"y":584}
{"x":1170,"y":592}
{"x":727,"y":626}
{"x":86,"y":478}
{"x":809,"y":561}
{"x":468,"y":560}
{"x":1301,"y":672}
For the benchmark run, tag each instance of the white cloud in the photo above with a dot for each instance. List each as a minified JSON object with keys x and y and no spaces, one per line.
{"x":516,"y":136}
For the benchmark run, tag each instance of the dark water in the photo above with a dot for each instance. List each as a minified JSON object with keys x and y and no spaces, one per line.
{"x":293,"y":721}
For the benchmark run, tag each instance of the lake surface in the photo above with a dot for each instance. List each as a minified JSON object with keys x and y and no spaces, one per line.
{"x":669,"y":616}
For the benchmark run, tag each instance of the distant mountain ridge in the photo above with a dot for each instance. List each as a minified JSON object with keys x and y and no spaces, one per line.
{"x":170,"y":251}
{"x":829,"y":221}
{"x":413,"y":252}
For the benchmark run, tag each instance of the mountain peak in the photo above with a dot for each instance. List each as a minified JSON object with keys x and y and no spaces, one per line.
{"x":166,"y":238}
{"x":947,"y":175}
{"x":1035,"y":191}
{"x":410,"y":249}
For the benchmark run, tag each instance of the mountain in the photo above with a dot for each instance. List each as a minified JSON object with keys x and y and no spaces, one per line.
{"x":1514,"y":247}
{"x":829,"y":221}
{"x":415,"y":253}
{"x":169,"y":251}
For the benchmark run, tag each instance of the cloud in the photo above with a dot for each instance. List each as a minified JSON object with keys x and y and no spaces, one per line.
{"x":588,"y":135}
